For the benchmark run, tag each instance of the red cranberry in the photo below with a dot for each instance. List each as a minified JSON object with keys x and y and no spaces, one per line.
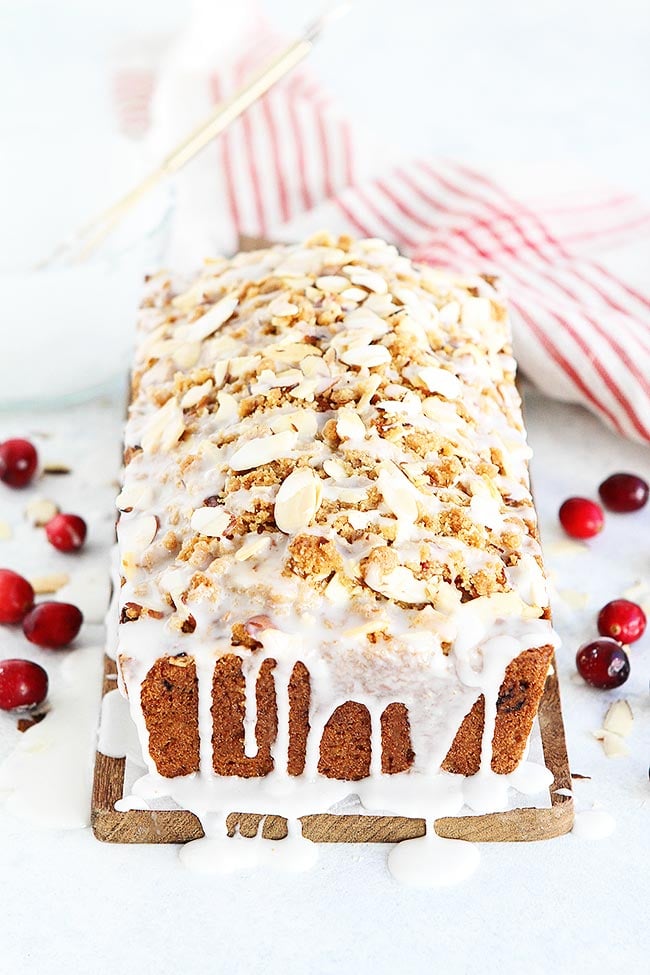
{"x":52,"y":624}
{"x":603,"y":663}
{"x":18,"y":460}
{"x":623,"y":492}
{"x":581,"y":518}
{"x":16,"y":597}
{"x":66,"y":532}
{"x":622,"y":620}
{"x":23,"y":684}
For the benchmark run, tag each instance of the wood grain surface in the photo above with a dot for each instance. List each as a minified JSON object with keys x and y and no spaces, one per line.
{"x":180,"y":826}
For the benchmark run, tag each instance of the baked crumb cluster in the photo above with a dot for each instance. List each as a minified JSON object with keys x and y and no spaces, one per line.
{"x":322,"y":434}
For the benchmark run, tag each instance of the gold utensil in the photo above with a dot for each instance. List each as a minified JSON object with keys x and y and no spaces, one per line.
{"x":87,"y":238}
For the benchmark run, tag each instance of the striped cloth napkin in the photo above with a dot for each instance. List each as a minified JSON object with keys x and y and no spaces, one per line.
{"x":573,"y":256}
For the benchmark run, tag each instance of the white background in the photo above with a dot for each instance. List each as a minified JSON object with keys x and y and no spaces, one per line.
{"x":527,"y":81}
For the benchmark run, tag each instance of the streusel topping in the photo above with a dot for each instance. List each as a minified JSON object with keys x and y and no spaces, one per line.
{"x":328,"y":437}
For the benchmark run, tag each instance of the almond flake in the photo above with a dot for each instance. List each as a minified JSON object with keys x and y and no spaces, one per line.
{"x":349,"y":425}
{"x":263,"y":450}
{"x":397,"y":492}
{"x":213,"y":319}
{"x":366,"y":279}
{"x":619,"y":718}
{"x":336,"y":592}
{"x":220,"y":372}
{"x":297,"y":500}
{"x":281,"y":308}
{"x":46,"y":585}
{"x":332,"y":283}
{"x":165,"y":428}
{"x":210,"y":521}
{"x":366,"y":355}
{"x":6,"y":531}
{"x":137,"y":494}
{"x":195,"y":394}
{"x":136,"y":534}
{"x":39,"y":512}
{"x":228,"y":411}
{"x":353,"y":294}
{"x":613,"y":745}
{"x":187,"y":354}
{"x":254,"y":544}
{"x":441,"y":381}
{"x":476,"y":312}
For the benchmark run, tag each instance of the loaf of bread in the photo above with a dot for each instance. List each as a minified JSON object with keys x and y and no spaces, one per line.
{"x":330,"y":567}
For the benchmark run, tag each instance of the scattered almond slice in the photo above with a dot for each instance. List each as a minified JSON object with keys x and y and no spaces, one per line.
{"x":619,"y":718}
{"x":136,"y":534}
{"x":6,"y":531}
{"x":210,"y":521}
{"x":45,"y":585}
{"x":138,"y":494}
{"x":195,"y":394}
{"x":297,"y":500}
{"x":54,"y":467}
{"x":254,"y":544}
{"x":263,"y":450}
{"x":40,"y":511}
{"x":613,"y":745}
{"x":349,"y":425}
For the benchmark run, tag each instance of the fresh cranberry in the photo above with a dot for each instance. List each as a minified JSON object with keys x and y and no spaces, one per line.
{"x":66,"y":532}
{"x":23,"y":684}
{"x":16,"y":597}
{"x":622,"y":620}
{"x":603,"y":663}
{"x":581,"y":518}
{"x":623,"y":492}
{"x":52,"y":624}
{"x":18,"y":460}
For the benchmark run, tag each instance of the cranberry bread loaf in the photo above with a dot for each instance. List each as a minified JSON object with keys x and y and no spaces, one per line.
{"x":330,"y":567}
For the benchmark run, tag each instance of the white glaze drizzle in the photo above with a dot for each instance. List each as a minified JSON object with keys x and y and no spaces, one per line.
{"x":330,"y":635}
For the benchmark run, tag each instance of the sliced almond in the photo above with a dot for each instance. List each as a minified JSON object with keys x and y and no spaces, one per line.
{"x":297,"y":500}
{"x":210,"y":521}
{"x":281,"y":308}
{"x":476,"y":312}
{"x":136,"y":534}
{"x":45,"y":585}
{"x":254,"y":544}
{"x":441,"y":381}
{"x":619,"y":718}
{"x":187,"y":354}
{"x":365,"y":278}
{"x":195,"y":394}
{"x":6,"y":530}
{"x":263,"y":450}
{"x":39,"y":512}
{"x":228,"y":411}
{"x":165,"y":427}
{"x":137,"y":494}
{"x":366,"y":355}
{"x":349,"y":425}
{"x":213,"y":319}
{"x":55,"y":467}
{"x":332,"y":283}
{"x":613,"y":745}
{"x":397,"y":492}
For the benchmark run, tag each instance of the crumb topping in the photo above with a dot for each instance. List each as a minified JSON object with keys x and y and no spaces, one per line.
{"x":322,"y":429}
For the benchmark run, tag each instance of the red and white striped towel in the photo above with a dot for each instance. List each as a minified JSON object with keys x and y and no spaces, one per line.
{"x":574,"y":262}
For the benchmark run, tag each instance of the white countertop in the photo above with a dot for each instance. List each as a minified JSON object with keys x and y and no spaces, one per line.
{"x":73,"y":904}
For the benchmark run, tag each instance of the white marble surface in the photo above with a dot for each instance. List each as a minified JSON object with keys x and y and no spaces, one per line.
{"x":523,"y":80}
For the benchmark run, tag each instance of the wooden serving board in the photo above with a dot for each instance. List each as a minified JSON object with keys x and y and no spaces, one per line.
{"x":180,"y":826}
